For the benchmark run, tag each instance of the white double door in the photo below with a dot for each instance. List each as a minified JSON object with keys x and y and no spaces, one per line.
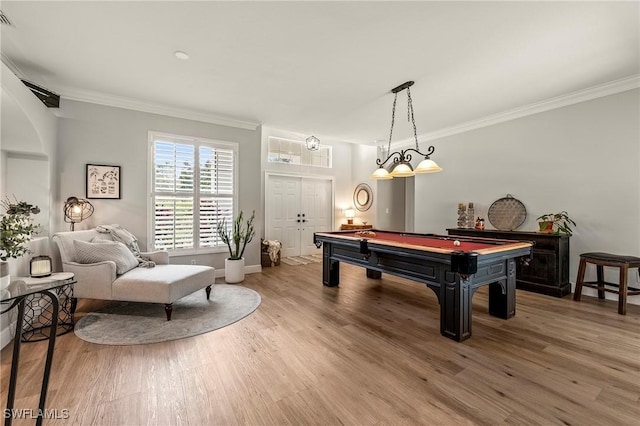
{"x":296,"y":208}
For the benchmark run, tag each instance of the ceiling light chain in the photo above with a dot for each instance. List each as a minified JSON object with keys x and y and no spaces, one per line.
{"x":402,"y":160}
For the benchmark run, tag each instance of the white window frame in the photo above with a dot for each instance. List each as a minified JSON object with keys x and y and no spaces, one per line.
{"x":303,"y":148}
{"x":197,"y":142}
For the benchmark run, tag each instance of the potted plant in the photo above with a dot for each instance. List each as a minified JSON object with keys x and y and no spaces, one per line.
{"x":556,"y":222}
{"x":236,"y":240}
{"x":16,"y":230}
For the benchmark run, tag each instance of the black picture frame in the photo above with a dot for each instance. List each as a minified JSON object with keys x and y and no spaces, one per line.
{"x":103,"y":181}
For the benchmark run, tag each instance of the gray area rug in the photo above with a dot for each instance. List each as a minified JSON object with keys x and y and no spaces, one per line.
{"x":133,"y":323}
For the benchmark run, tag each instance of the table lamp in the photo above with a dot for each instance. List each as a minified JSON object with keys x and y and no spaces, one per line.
{"x":350,"y":214}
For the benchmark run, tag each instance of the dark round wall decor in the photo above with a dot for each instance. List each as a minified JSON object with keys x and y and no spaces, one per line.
{"x":362,"y":197}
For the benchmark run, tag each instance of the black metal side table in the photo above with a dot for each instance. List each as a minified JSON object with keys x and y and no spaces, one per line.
{"x":58,"y":285}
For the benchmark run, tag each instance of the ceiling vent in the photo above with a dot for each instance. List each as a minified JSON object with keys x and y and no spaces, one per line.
{"x":50,"y":99}
{"x":4,"y":20}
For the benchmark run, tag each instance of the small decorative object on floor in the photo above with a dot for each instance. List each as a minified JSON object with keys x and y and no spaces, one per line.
{"x":462,"y":216}
{"x":470,"y":216}
{"x":270,"y":253}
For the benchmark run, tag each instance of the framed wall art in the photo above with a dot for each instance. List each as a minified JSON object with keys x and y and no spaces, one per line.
{"x":103,"y":181}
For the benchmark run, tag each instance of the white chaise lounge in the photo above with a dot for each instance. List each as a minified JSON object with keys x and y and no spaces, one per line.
{"x":163,"y":283}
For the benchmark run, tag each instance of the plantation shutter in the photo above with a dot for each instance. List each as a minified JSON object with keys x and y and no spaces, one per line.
{"x":216,"y":192}
{"x":188,"y":201}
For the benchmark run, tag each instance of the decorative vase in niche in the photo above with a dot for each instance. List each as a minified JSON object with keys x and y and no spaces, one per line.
{"x":234,"y":270}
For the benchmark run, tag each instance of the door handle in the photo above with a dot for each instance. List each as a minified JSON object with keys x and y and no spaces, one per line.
{"x":299,"y":215}
{"x":302,"y":214}
{"x":304,"y":220}
{"x":298,"y":220}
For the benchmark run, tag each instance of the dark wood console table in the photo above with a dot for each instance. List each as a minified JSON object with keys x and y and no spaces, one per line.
{"x":548,"y":270}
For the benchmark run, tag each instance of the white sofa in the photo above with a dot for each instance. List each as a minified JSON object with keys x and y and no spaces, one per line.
{"x":163,"y":283}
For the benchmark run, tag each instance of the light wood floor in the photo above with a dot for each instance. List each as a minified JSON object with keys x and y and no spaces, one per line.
{"x":366,"y":353}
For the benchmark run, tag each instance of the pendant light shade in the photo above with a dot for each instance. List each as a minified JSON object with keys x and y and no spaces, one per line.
{"x":381,"y":174}
{"x":402,"y":169}
{"x":427,"y":166}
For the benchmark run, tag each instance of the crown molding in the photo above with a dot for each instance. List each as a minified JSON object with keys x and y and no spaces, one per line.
{"x":12,"y":66}
{"x":600,"y":91}
{"x":153,"y":108}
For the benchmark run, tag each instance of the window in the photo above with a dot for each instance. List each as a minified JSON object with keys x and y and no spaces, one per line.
{"x":193,"y":187}
{"x":295,"y":152}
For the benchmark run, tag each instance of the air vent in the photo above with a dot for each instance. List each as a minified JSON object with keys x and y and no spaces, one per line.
{"x":4,"y":19}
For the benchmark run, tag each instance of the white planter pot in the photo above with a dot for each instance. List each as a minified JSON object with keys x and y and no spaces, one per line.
{"x":234,"y":270}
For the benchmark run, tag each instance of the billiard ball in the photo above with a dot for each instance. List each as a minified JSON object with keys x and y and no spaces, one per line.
{"x":456,"y":243}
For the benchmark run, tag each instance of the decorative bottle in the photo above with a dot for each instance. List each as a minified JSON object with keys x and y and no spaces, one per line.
{"x":462,"y":216}
{"x":470,"y":217}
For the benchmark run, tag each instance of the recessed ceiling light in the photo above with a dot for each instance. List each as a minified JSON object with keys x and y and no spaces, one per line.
{"x":181,"y":55}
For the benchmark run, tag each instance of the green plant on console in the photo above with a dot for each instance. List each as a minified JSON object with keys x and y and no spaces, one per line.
{"x":239,"y":236}
{"x":560,"y":223}
{"x":16,"y":228}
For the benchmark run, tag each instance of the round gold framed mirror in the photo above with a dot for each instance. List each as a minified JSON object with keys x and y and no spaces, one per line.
{"x":363,"y":197}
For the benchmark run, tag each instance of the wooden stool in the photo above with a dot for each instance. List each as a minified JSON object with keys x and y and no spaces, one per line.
{"x":606,"y":259}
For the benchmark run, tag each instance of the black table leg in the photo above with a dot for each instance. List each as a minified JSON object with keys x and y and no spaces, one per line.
{"x":502,"y":295}
{"x":330,"y":268}
{"x":455,"y":308}
{"x":49,"y":360}
{"x":15,"y":360}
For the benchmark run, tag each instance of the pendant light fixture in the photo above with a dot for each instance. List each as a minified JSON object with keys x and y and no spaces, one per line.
{"x":401,"y":166}
{"x":313,"y":143}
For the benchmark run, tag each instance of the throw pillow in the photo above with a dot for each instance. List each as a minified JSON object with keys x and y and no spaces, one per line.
{"x":97,"y":252}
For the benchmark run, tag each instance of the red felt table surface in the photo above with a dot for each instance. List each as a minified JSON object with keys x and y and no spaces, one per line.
{"x":427,"y":242}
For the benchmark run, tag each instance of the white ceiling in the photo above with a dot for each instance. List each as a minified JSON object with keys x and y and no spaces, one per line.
{"x":323,"y":68}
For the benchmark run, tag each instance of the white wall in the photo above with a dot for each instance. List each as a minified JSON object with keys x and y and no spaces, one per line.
{"x":582,"y":158}
{"x":363,"y":155}
{"x":27,"y":147}
{"x":90,"y":133}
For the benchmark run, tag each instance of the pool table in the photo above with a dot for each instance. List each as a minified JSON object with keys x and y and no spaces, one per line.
{"x":453,"y":272}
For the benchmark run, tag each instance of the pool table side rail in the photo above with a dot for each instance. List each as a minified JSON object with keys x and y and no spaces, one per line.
{"x":508,"y":244}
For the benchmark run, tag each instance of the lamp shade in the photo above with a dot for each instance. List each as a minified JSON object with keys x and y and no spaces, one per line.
{"x":350,"y":214}
{"x":402,"y":169}
{"x":76,"y":210}
{"x":40,"y":266}
{"x":427,"y":166}
{"x":381,"y":174}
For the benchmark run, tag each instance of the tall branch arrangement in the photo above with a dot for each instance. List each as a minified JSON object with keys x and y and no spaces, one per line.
{"x":239,"y":236}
